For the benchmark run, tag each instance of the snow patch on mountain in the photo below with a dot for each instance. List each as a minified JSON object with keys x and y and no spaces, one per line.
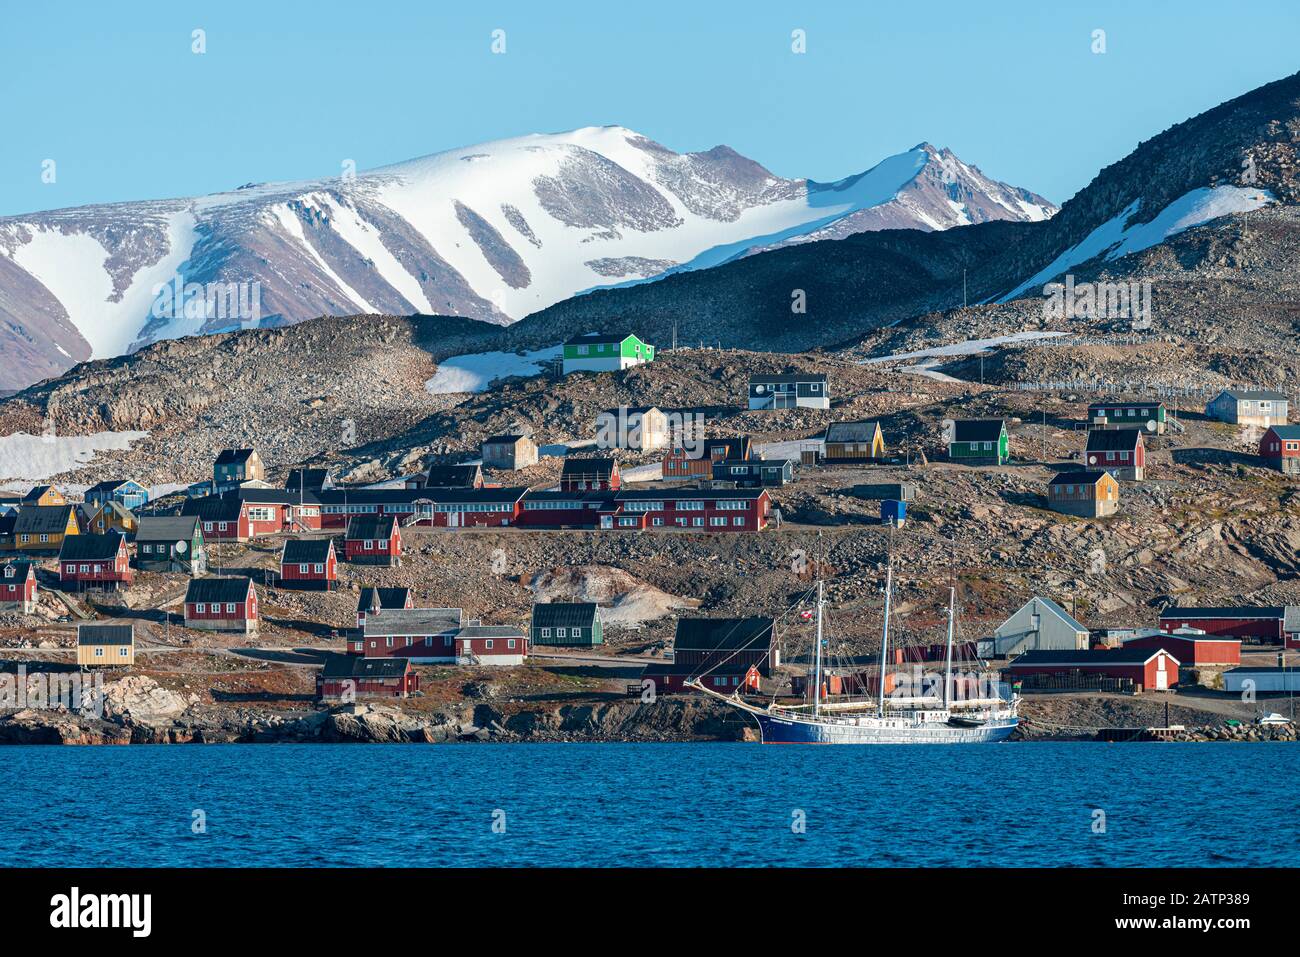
{"x":1116,"y":238}
{"x":37,"y":457}
{"x":477,"y":372}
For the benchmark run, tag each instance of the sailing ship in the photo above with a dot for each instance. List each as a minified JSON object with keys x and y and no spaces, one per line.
{"x":892,"y":719}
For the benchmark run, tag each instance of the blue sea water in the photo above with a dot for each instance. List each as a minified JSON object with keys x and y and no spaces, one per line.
{"x":1027,"y":804}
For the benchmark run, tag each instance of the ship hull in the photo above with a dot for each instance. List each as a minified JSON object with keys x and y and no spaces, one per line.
{"x":784,"y":730}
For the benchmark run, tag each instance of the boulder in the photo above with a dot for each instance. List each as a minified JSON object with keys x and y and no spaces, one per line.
{"x":137,"y":699}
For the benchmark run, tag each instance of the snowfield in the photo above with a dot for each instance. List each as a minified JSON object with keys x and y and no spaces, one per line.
{"x":36,"y":457}
{"x":476,"y":372}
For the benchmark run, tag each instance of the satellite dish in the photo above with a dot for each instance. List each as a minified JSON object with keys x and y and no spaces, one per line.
{"x":181,"y":548}
{"x":1151,"y":425}
{"x":1092,"y":460}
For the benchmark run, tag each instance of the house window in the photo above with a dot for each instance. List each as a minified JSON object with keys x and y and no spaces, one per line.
{"x":99,"y":652}
{"x":561,"y":633}
{"x":121,"y":652}
{"x":302,"y":569}
{"x":738,"y":520}
{"x":389,"y":642}
{"x":510,"y":644}
{"x":546,"y":632}
{"x":230,"y":608}
{"x":698,"y":522}
{"x":200,"y":608}
{"x":318,"y":569}
{"x":488,"y":644}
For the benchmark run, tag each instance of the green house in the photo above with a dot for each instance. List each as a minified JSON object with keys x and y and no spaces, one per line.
{"x":566,"y":624}
{"x":979,"y":442}
{"x":601,"y":352}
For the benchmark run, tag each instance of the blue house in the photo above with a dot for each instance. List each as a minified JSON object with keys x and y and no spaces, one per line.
{"x":126,"y":492}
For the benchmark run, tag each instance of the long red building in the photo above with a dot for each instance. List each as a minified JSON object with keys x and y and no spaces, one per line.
{"x":95,"y":561}
{"x":309,"y":563}
{"x":1261,"y":623}
{"x":682,"y":509}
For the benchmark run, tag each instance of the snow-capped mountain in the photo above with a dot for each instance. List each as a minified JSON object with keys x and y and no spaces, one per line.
{"x":494,"y":232}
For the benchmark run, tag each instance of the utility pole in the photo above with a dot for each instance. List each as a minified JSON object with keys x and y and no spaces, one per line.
{"x":963,"y":287}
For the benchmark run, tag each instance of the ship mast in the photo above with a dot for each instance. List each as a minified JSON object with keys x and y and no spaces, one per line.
{"x":884,"y":640}
{"x":817,"y":667}
{"x":947,"y":670}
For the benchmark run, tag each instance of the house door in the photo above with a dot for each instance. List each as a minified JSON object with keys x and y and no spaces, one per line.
{"x":607,"y":521}
{"x":453,"y":519}
{"x":1162,"y":676}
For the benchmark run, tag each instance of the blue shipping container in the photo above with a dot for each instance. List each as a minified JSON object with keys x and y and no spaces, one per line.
{"x":892,"y":511}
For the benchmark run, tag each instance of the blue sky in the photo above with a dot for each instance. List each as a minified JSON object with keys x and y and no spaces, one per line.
{"x":288,"y":90}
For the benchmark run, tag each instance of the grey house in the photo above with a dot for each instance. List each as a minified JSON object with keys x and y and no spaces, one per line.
{"x":171,"y":543}
{"x":1249,"y":407}
{"x":1039,"y":625}
{"x":804,"y":390}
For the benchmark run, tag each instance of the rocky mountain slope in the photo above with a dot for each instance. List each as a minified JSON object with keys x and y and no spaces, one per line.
{"x":493,"y":231}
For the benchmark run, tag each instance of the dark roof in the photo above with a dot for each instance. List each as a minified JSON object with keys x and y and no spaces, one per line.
{"x":789,"y":377}
{"x":1256,"y":394}
{"x":729,"y":666}
{"x":1079,"y":477}
{"x":214,"y":508}
{"x":735,"y":446}
{"x":35,"y":492}
{"x":231,"y":456}
{"x":564,"y":614}
{"x":577,"y":496}
{"x":503,"y":439}
{"x":373,"y":598}
{"x":405,"y":496}
{"x":273,"y":496}
{"x":602,"y":467}
{"x":306,"y":551}
{"x":1117,"y":656}
{"x":110,"y":485}
{"x":489,"y":631}
{"x":591,"y":338}
{"x":217,"y":589}
{"x":413,"y":621}
{"x":678,"y":494}
{"x":1126,"y":404}
{"x":978,"y":430}
{"x":1226,"y":611}
{"x":1291,"y":432}
{"x":1114,"y":440}
{"x":370,"y":527}
{"x":105,"y":634}
{"x":91,"y":548}
{"x":306,"y":479}
{"x":167,"y":528}
{"x":42,"y":519}
{"x":450,"y":476}
{"x":723,"y":634}
{"x":21,"y":569}
{"x":354,"y":666}
{"x":851,"y":431}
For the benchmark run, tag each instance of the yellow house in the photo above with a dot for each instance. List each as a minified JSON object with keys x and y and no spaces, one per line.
{"x":42,"y":528}
{"x":103,"y":645}
{"x":112,"y":516}
{"x":854,"y":442}
{"x":44,"y":495}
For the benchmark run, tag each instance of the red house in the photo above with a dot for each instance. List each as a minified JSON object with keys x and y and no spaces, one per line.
{"x":223,"y":519}
{"x":18,"y":586}
{"x":477,"y":644}
{"x":95,"y":561}
{"x":347,"y":677}
{"x":420,"y":634}
{"x":442,"y":507}
{"x":1121,"y":452}
{"x":371,"y":602}
{"x":275,"y":510}
{"x":1280,"y":448}
{"x":590,"y":475}
{"x":221,"y":604}
{"x":697,"y":463}
{"x":373,"y":540}
{"x":1262,"y":623}
{"x":725,"y":678}
{"x":1194,"y":651}
{"x":696,"y":510}
{"x":1149,"y":669}
{"x":309,"y":563}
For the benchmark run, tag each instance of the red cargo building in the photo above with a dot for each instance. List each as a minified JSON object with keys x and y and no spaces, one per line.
{"x":373,"y":540}
{"x":1194,"y":651}
{"x":347,"y":677}
{"x":1149,"y":669}
{"x":1262,"y":623}
{"x":95,"y":561}
{"x":309,"y":564}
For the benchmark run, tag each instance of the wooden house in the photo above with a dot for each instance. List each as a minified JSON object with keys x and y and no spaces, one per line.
{"x":1121,"y":452}
{"x":1280,"y":448}
{"x":7,"y":522}
{"x":1040,"y":624}
{"x":272,"y":511}
{"x":426,"y":635}
{"x":605,"y":352}
{"x":697,"y":510}
{"x":509,"y":452}
{"x":42,"y":528}
{"x":590,"y":475}
{"x":1257,"y":407}
{"x":565,"y":624}
{"x":222,"y":519}
{"x":18,"y":587}
{"x":703,"y":644}
{"x":308,"y":480}
{"x":454,"y":476}
{"x":500,"y":645}
{"x":1193,"y":649}
{"x":234,"y":466}
{"x":801,"y":390}
{"x":1260,"y":623}
{"x":1088,"y":493}
{"x":222,"y":604}
{"x":112,"y":516}
{"x":694,"y":460}
{"x":848,"y":442}
{"x":95,"y":561}
{"x":727,"y":677}
{"x":374,"y":600}
{"x":754,"y":473}
{"x":1141,"y":669}
{"x":171,"y":543}
{"x":44,"y":495}
{"x":128,"y":493}
{"x":105,"y":645}
{"x":641,"y":427}
{"x":1150,"y":415}
{"x":979,"y":442}
{"x":347,"y":677}
{"x":373,"y":540}
{"x":309,"y":564}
